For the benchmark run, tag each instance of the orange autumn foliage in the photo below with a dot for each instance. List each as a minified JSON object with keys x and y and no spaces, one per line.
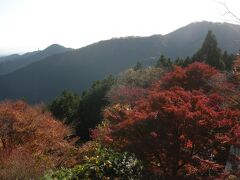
{"x":31,"y":141}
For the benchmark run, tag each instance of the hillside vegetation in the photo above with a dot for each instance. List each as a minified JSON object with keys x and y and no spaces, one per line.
{"x":76,"y":70}
{"x":173,"y":120}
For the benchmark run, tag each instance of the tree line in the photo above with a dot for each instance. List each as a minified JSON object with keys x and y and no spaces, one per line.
{"x":175,"y":120}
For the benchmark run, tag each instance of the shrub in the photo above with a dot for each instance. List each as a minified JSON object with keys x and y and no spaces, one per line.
{"x":106,"y":164}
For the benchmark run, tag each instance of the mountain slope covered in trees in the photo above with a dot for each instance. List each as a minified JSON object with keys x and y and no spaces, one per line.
{"x":77,"y":69}
{"x":13,"y":62}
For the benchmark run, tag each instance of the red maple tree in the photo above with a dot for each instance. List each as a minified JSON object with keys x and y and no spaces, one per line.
{"x":193,"y":77}
{"x":180,"y":133}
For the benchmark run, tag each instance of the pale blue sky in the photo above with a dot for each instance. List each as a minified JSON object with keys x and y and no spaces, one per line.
{"x":27,"y":25}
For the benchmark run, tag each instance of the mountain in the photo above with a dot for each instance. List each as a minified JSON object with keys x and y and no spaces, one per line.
{"x":186,"y":40}
{"x":76,"y":70}
{"x":13,"y":62}
{"x":10,"y":57}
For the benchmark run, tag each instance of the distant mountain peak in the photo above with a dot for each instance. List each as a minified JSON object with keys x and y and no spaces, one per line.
{"x":54,"y":49}
{"x":13,"y":62}
{"x":54,"y":46}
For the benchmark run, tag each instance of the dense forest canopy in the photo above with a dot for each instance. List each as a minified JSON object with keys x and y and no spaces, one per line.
{"x":176,"y":119}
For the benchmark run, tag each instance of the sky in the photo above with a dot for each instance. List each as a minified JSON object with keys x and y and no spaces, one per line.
{"x":29,"y":25}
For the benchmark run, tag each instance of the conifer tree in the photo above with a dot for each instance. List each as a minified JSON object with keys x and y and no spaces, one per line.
{"x":163,"y":62}
{"x":210,"y":53}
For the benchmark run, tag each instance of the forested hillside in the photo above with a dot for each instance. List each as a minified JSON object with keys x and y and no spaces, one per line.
{"x":172,"y":120}
{"x":76,"y":70}
{"x":11,"y":63}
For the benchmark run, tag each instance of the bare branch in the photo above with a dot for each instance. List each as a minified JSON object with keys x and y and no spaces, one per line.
{"x":229,"y":12}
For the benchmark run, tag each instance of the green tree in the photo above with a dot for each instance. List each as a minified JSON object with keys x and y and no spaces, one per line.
{"x":65,"y":107}
{"x":187,"y":61}
{"x":164,"y":62}
{"x":104,"y":164}
{"x":183,"y":62}
{"x":210,"y":53}
{"x":228,"y":60}
{"x":179,"y":62}
{"x":91,"y":105}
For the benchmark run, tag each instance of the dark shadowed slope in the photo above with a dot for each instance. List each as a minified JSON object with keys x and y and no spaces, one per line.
{"x":13,"y":62}
{"x":75,"y":70}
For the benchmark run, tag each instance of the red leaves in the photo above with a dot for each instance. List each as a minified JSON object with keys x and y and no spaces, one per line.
{"x":181,"y":124}
{"x":207,"y":165}
{"x":35,"y":136}
{"x":193,"y":77}
{"x":174,"y":125}
{"x":175,"y":78}
{"x":236,"y":134}
{"x":189,"y":144}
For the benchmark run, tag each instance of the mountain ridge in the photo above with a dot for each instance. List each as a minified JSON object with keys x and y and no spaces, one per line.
{"x":77,"y":69}
{"x":13,"y":62}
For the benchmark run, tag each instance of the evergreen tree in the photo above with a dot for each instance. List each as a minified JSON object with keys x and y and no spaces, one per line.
{"x":228,"y":60}
{"x":187,"y":61}
{"x":179,"y":62}
{"x":65,"y":107}
{"x":163,"y":62}
{"x":183,"y":62}
{"x":210,"y":53}
{"x":90,"y":108}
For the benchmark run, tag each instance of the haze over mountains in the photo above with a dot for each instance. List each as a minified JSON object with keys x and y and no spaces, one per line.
{"x":42,"y":78}
{"x":13,"y":62}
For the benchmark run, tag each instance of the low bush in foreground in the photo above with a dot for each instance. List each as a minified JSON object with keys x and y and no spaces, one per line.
{"x":105,"y":164}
